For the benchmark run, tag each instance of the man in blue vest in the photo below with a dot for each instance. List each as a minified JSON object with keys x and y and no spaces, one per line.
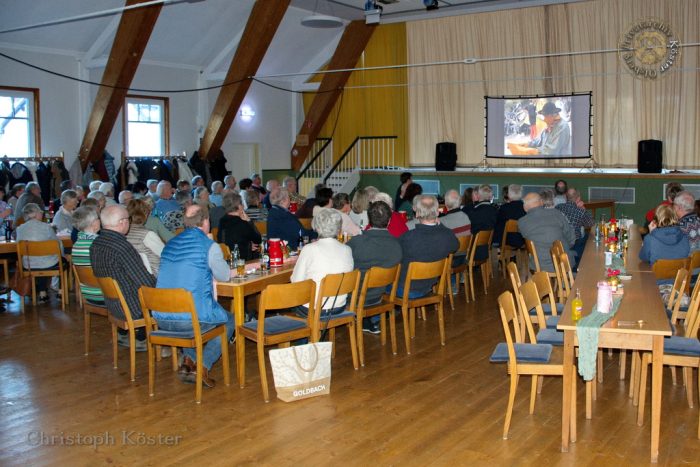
{"x":193,"y":261}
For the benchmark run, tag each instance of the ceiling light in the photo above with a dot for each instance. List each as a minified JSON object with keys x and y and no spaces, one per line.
{"x":322,"y":21}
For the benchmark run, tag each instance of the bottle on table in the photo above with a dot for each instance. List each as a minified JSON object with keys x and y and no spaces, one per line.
{"x":235,"y":254}
{"x":264,"y":256}
{"x":300,"y":241}
{"x":576,"y":306}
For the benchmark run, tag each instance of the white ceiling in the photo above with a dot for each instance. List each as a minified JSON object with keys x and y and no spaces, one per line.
{"x":203,"y":34}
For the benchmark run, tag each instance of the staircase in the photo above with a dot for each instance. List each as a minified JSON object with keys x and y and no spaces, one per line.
{"x":365,"y":153}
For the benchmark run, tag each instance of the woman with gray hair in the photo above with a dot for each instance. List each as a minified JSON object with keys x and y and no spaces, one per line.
{"x":86,"y":221}
{"x":35,"y":230}
{"x":99,"y":197}
{"x":217,"y":191}
{"x":323,"y":257}
{"x":63,"y":220}
{"x":32,"y":194}
{"x":397,"y":224}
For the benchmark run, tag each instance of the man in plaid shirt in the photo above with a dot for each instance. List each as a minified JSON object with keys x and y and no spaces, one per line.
{"x":578,"y":217}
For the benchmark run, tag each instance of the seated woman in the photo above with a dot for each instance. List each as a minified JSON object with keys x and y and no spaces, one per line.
{"x":63,"y":220}
{"x":413,"y":190}
{"x":665,"y":239}
{"x":358,"y":211}
{"x":86,"y":221}
{"x":254,"y":211}
{"x":341,"y":203}
{"x":236,"y":228}
{"x":326,"y":256}
{"x":34,"y":229}
{"x":146,"y":242}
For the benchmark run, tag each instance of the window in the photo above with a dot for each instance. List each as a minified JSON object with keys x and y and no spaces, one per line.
{"x":19,"y":122}
{"x":430,"y":187}
{"x":146,"y":126}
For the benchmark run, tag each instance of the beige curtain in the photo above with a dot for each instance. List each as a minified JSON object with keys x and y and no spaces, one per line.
{"x":446,"y":103}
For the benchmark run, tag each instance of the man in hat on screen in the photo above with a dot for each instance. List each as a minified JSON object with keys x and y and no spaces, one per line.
{"x":555,"y":140}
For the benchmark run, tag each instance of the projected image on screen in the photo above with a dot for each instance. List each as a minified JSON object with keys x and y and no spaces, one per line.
{"x":538,"y":127}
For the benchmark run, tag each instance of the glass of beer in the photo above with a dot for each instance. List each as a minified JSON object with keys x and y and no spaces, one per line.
{"x":240,"y":267}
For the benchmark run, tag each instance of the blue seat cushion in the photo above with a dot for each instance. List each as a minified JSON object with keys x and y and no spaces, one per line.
{"x":677,"y":345}
{"x":277,"y":324}
{"x":344,"y":314}
{"x":524,"y":353}
{"x":548,"y":309}
{"x":552,"y":322}
{"x":550,"y":336}
{"x":205,"y":328}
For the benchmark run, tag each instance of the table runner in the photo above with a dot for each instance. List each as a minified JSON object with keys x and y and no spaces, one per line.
{"x":588,"y":330}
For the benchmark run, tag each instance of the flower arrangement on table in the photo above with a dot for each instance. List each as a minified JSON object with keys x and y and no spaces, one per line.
{"x":613,"y":276}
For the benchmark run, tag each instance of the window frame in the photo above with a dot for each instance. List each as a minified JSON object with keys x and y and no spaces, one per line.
{"x":165,"y":124}
{"x":34,"y":120}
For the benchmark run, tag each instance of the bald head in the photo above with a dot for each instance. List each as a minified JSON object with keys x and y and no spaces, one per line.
{"x":531,"y":201}
{"x":116,"y":218}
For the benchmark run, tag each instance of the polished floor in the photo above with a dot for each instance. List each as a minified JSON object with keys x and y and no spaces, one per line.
{"x":440,"y":406}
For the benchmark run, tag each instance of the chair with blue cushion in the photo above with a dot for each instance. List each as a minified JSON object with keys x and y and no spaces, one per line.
{"x":377,"y":277}
{"x":481,"y":240}
{"x":526,"y":359}
{"x":460,"y":270}
{"x":179,"y":301}
{"x":665,"y":269}
{"x":422,"y":271}
{"x":276,"y":330}
{"x":508,"y":252}
{"x":85,"y":277}
{"x":683,"y":351}
{"x":335,"y":285}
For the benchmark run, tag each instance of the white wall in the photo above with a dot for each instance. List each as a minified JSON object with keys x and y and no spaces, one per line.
{"x":272,"y":128}
{"x":58,"y":97}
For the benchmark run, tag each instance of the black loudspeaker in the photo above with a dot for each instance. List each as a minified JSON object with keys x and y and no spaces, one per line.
{"x":649,"y":160}
{"x":445,"y":156}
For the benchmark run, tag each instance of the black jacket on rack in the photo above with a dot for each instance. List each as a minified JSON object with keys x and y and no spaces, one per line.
{"x":44,"y":179}
{"x":218,"y":167}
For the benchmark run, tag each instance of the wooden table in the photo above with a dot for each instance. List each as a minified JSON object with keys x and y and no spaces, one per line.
{"x":601,"y":204}
{"x":238,"y":289}
{"x":641,"y":302}
{"x":11,"y":246}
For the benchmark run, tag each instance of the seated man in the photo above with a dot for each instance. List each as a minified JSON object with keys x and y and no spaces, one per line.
{"x":165,"y":202}
{"x":290,"y":183}
{"x":544,"y":226}
{"x":456,"y":220}
{"x":113,"y":256}
{"x":283,"y":224}
{"x":192,"y":261}
{"x":375,"y":247}
{"x":428,"y":242}
{"x":579,"y":218}
{"x":483,"y":216}
{"x":512,"y":210}
{"x":271,"y":185}
{"x":688,"y":220}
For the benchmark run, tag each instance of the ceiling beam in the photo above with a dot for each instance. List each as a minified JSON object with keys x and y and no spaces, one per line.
{"x":233,"y":43}
{"x":133,"y":32}
{"x":101,"y":42}
{"x":350,"y":48}
{"x":262,"y":24}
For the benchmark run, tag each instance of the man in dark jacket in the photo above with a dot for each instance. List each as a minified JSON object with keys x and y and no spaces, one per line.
{"x":512,"y":210}
{"x":483,"y":215}
{"x":375,"y":247}
{"x":283,"y":224}
{"x":428,"y":242}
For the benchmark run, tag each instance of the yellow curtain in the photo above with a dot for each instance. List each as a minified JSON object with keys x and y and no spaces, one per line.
{"x":446,"y":103}
{"x":372,"y":111}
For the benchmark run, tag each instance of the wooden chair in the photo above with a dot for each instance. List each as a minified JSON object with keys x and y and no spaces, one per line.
{"x":532,"y":253}
{"x":567,"y":274}
{"x":460,"y":270}
{"x":111,"y":291}
{"x":86,"y":277}
{"x":480,"y":240}
{"x":526,"y":359}
{"x":673,"y":305}
{"x":226,"y":251}
{"x":42,"y":248}
{"x":683,"y":351}
{"x":417,"y":271}
{"x":694,"y":265}
{"x":507,"y":252}
{"x":667,"y":268}
{"x":275,"y":330}
{"x":555,"y":253}
{"x":377,"y":277}
{"x":514,"y":275}
{"x":306,"y":222}
{"x":331,"y":286}
{"x":179,"y":301}
{"x":214,"y":233}
{"x":261,"y":226}
{"x":6,"y":272}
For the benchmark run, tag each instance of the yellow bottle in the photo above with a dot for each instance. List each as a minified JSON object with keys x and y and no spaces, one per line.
{"x":576,"y":306}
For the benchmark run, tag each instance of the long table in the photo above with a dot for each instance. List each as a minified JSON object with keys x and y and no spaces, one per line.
{"x":641,"y":302}
{"x":237,"y":289}
{"x":11,"y":246}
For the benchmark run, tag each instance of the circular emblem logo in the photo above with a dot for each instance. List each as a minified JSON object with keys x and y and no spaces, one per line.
{"x":649,"y":48}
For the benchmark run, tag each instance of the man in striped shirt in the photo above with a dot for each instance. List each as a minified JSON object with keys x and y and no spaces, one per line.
{"x":87,"y":222}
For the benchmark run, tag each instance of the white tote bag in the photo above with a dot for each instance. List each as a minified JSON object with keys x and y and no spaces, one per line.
{"x":302,"y":371}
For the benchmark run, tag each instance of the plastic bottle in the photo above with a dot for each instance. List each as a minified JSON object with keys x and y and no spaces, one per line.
{"x":235,"y":254}
{"x":576,"y":306}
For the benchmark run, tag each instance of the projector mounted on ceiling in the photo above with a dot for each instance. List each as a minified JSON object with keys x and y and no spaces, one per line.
{"x":322,"y":21}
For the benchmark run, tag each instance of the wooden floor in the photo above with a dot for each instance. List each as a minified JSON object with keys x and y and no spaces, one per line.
{"x":440,"y":406}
